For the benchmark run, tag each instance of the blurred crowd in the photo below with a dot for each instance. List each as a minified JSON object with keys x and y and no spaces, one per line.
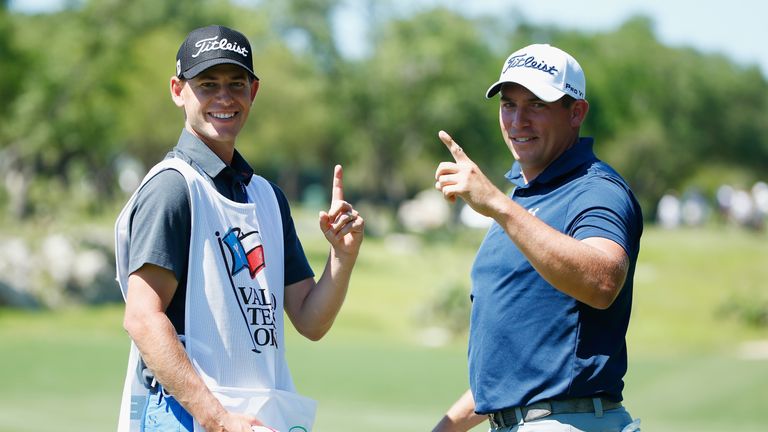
{"x":730,"y":205}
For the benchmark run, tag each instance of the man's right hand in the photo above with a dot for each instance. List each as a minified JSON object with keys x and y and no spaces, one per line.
{"x":150,"y":289}
{"x":463,"y":178}
{"x":236,"y":422}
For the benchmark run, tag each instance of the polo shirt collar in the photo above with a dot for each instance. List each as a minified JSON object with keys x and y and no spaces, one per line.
{"x":571,"y":159}
{"x":197,"y":151}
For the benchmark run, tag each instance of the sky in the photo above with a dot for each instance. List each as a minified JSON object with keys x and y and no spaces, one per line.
{"x":737,"y":29}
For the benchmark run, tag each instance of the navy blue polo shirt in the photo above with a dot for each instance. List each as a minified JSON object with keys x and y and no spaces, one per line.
{"x":160,"y":223}
{"x":528,"y":341}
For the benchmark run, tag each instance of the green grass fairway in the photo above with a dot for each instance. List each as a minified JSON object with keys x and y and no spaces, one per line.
{"x":63,"y":370}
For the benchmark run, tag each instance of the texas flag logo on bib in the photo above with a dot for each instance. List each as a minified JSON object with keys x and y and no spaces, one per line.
{"x":257,"y":304}
{"x":246,"y":251}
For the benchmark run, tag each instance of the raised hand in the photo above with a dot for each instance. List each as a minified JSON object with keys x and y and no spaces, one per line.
{"x":342,"y":224}
{"x":463,"y":178}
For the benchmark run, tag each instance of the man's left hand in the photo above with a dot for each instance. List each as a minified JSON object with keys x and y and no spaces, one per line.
{"x":342,"y":224}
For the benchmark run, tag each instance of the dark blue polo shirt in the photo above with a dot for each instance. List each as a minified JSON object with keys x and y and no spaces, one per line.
{"x":528,"y":341}
{"x":160,"y":223}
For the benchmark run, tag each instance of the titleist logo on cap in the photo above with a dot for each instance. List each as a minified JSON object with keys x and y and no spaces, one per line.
{"x":529,"y":62}
{"x":210,"y":44}
{"x":561,"y":73}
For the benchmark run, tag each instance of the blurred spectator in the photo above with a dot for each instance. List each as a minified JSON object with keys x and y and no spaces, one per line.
{"x":760,"y":195}
{"x":747,"y":209}
{"x":743,"y":209}
{"x":130,"y":171}
{"x":724,"y":196}
{"x":668,"y":212}
{"x":694,"y":208}
{"x":427,"y":210}
{"x":469,"y":217}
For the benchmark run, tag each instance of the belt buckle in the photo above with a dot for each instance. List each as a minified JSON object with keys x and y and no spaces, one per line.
{"x":492,"y":420}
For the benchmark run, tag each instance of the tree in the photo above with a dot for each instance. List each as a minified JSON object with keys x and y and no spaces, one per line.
{"x":422,"y":77}
{"x":660,"y":114}
{"x":14,"y":65}
{"x":299,"y":107}
{"x":63,"y":127}
{"x":76,"y":102}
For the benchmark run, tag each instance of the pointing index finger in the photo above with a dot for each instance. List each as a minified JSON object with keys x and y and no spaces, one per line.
{"x":337,"y":193}
{"x":453,"y":147}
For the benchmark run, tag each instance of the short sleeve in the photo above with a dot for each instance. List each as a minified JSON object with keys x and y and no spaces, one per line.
{"x":606,"y":208}
{"x":161,"y":224}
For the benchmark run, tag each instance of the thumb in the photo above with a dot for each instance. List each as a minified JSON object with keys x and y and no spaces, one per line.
{"x":455,"y":149}
{"x":325,"y":221}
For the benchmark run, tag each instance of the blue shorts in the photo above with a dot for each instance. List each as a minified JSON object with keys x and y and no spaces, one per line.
{"x":164,"y":414}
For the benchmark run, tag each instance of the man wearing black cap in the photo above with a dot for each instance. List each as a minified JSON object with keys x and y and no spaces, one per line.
{"x":552,"y":280}
{"x":208,"y":260}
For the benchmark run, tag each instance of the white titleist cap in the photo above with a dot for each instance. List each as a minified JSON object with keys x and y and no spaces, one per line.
{"x":546,"y":71}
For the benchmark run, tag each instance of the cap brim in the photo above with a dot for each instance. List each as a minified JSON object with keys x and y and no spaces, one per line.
{"x":543,"y":92}
{"x":200,"y":67}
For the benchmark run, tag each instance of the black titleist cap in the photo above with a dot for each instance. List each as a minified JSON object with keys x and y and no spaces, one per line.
{"x":210,"y":46}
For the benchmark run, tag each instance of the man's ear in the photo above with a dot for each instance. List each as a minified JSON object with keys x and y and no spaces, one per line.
{"x":177,"y":85}
{"x":579,"y":111}
{"x":254,"y":89}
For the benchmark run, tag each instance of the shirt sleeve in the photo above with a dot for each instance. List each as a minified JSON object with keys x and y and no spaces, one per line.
{"x":160,"y":224}
{"x":606,"y":208}
{"x":297,"y":266}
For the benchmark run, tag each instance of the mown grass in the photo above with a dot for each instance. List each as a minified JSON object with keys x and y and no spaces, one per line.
{"x":63,"y":370}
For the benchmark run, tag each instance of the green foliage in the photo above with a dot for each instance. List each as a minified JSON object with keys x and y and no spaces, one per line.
{"x":99,"y":90}
{"x":749,"y":308}
{"x":415,"y":84}
{"x":661,"y":113}
{"x":449,"y":309}
{"x":14,"y":60}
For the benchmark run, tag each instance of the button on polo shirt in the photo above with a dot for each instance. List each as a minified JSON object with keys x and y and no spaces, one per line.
{"x":229,"y":180}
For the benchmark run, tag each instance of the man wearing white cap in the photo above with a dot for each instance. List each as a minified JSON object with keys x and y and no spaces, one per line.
{"x":209,"y":262}
{"x":552,"y":280}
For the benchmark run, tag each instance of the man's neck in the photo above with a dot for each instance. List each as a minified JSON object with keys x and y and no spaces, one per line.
{"x":530,"y":173}
{"x":224,"y":150}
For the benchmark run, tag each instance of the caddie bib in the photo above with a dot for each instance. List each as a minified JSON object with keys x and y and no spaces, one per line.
{"x":234,"y":304}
